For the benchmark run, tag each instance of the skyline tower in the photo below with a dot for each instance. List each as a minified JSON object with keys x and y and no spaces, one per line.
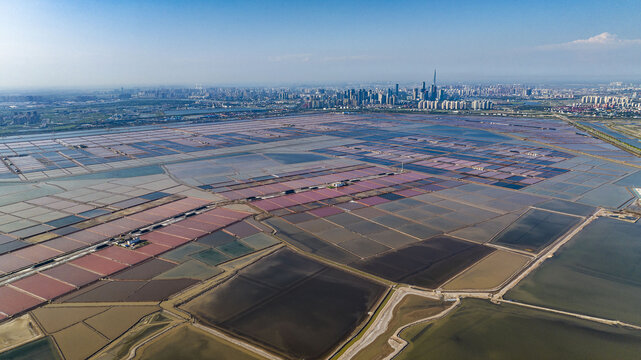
{"x":433,"y":89}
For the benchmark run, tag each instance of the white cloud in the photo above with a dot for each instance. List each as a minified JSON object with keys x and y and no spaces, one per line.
{"x":603,"y":40}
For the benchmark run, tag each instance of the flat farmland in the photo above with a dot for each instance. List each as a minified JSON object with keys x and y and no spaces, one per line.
{"x":479,"y":329}
{"x":80,"y":331}
{"x":488,"y":273}
{"x":113,"y":322}
{"x":289,"y":304}
{"x":18,"y":331}
{"x":53,"y":318}
{"x":79,"y":341}
{"x":188,"y":342}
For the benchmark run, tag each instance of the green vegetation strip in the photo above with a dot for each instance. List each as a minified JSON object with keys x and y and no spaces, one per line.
{"x":612,"y":140}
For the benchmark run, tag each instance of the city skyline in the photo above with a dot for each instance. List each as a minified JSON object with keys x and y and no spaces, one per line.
{"x":70,"y":44}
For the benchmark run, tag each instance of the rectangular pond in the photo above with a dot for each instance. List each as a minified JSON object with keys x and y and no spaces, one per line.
{"x":535,"y":230}
{"x":290,"y":304}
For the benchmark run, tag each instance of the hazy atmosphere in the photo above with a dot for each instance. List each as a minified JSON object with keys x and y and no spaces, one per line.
{"x":320,"y":180}
{"x":125,"y":43}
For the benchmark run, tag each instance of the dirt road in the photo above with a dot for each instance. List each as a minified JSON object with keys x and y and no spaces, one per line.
{"x":382,"y":322}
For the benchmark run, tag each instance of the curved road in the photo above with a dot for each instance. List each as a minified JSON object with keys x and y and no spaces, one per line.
{"x":381,"y":323}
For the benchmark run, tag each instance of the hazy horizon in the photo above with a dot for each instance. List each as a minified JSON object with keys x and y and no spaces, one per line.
{"x":93,"y":44}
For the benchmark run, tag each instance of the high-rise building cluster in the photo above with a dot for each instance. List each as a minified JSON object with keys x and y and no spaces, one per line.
{"x":508,"y":91}
{"x":613,"y":101}
{"x":433,"y":93}
{"x":482,"y":105}
{"x":425,"y":97}
{"x":455,"y":105}
{"x":322,"y":98}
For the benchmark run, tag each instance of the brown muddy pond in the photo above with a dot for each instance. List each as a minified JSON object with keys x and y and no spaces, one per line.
{"x":290,"y":304}
{"x":427,"y":264}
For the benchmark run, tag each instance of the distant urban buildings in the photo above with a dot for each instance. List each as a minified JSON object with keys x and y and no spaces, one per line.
{"x":28,"y":118}
{"x":611,"y":101}
{"x":482,"y":105}
{"x":454,"y":105}
{"x":136,"y":106}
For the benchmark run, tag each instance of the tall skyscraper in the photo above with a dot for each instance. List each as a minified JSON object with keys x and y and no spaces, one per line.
{"x":433,"y":93}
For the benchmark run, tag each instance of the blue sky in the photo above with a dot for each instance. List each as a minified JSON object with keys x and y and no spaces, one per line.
{"x":128,"y":43}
